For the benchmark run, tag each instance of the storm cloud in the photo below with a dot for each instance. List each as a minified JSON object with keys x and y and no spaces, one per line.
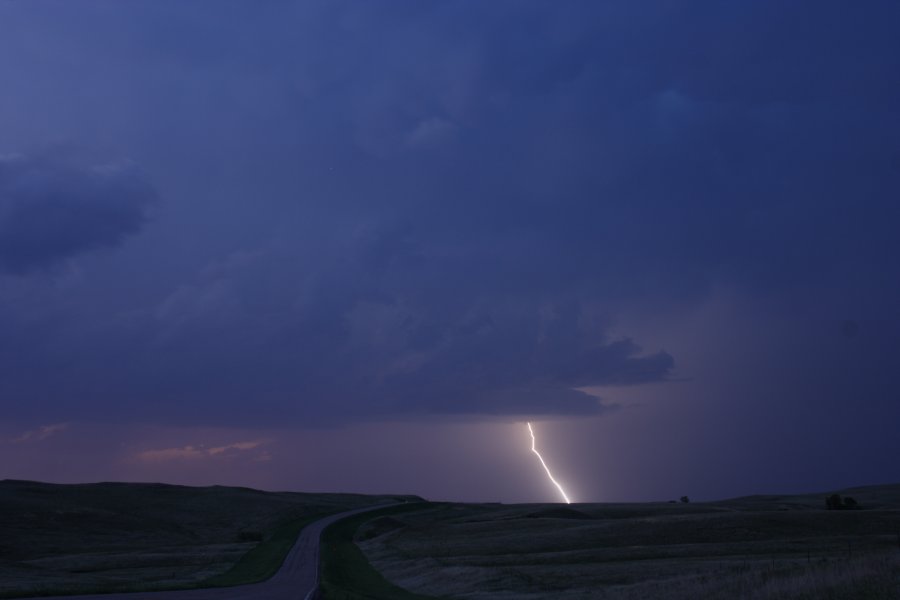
{"x":51,"y":209}
{"x":411,"y":210}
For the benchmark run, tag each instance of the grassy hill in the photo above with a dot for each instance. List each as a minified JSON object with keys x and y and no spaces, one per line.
{"x":758,"y":547}
{"x":125,"y":536}
{"x":112,"y":536}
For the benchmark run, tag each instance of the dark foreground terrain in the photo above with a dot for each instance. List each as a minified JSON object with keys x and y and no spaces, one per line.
{"x":120,"y":537}
{"x":759,"y":547}
{"x":109,"y":537}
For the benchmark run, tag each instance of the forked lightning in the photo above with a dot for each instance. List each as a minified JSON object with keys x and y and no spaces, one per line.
{"x":533,"y":449}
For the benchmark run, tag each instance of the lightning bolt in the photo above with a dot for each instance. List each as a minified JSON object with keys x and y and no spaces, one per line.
{"x":546,"y":468}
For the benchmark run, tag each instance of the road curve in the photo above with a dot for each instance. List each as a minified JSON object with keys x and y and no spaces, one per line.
{"x":297,"y":579}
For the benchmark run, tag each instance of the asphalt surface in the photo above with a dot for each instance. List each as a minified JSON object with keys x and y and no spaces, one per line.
{"x":296,"y":580}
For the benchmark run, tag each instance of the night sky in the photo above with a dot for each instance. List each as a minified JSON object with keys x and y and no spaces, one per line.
{"x":332,"y":245}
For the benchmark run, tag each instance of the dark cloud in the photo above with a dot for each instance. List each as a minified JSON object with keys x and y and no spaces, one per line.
{"x":51,"y":209}
{"x":368,"y":337}
{"x":417,"y":209}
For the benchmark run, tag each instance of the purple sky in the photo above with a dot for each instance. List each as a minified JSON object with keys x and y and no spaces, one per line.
{"x":353,"y":246}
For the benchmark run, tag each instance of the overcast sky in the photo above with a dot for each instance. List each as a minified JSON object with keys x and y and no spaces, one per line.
{"x":354,"y":246}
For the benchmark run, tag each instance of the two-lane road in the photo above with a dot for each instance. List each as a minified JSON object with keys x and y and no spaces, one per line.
{"x":296,"y":580}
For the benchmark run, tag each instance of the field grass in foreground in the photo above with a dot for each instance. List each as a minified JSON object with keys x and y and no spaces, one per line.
{"x":755,"y":548}
{"x":263,"y":560}
{"x":345,"y":572}
{"x":110,"y":537}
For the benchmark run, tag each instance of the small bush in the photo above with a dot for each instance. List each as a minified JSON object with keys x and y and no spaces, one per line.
{"x":835,"y":502}
{"x":685,"y":499}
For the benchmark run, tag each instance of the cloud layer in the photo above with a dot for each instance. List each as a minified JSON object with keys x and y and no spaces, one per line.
{"x":51,"y":210}
{"x":408,"y":210}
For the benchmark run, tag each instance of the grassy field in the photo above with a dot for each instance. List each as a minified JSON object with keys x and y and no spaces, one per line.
{"x":119,"y":537}
{"x":127,"y":537}
{"x":345,"y":573}
{"x":759,"y":548}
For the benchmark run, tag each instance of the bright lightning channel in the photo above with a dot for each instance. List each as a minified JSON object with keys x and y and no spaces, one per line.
{"x":533,"y":449}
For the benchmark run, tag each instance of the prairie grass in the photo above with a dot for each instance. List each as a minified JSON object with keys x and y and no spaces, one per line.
{"x":869,"y":578}
{"x":345,"y":572}
{"x":759,"y":548}
{"x":264,"y":559}
{"x":65,"y":539}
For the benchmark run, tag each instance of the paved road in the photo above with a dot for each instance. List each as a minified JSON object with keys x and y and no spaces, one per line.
{"x":296,"y":580}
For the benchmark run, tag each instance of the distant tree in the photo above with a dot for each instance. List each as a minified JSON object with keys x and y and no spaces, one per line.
{"x":685,"y":499}
{"x":834,"y":502}
{"x":850,"y":503}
